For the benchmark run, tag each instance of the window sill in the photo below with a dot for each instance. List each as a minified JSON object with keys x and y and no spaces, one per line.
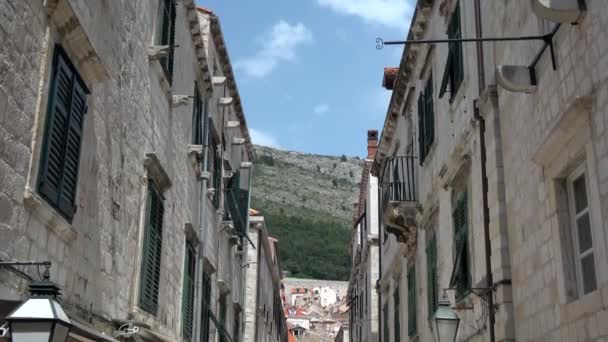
{"x":48,"y":216}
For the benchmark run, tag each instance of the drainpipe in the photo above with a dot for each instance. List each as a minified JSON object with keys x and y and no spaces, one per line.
{"x":198,"y":293}
{"x":484,"y":176}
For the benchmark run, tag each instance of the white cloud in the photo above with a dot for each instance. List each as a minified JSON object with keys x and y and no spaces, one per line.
{"x":279,"y":44}
{"x":391,"y":13}
{"x":264,"y":139}
{"x":321,"y":109}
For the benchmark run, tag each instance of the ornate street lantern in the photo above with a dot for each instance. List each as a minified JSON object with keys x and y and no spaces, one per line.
{"x":445,"y":322}
{"x":40,"y":318}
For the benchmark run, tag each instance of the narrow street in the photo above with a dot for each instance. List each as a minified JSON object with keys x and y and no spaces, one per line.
{"x":303,"y":171}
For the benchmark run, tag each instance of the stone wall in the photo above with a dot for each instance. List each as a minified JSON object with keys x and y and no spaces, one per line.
{"x":546,"y":135}
{"x":130,"y":123}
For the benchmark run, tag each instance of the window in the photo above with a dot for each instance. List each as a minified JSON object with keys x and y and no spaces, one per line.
{"x":153,"y":240}
{"x":197,"y":117}
{"x":411,"y":301}
{"x":431,"y":268}
{"x":214,"y":164}
{"x":461,"y":278}
{"x":397,"y":318}
{"x":188,"y":291}
{"x":58,"y":178}
{"x":426,"y":122}
{"x":385,"y":323}
{"x":165,"y":34}
{"x":454,"y":67}
{"x":582,"y":232}
{"x":206,"y":298}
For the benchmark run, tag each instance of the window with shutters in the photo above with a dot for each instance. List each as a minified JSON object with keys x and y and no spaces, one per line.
{"x":67,"y":106}
{"x":582,"y":232}
{"x":426,"y":119}
{"x":165,"y":34}
{"x":431,"y":269}
{"x":397,"y":318}
{"x":461,"y":277}
{"x":205,"y":315}
{"x":197,"y":117}
{"x":454,"y":67}
{"x":153,"y":240}
{"x":188,"y":291}
{"x":411,"y":301}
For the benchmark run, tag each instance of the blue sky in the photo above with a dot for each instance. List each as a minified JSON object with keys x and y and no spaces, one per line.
{"x":308,"y":71}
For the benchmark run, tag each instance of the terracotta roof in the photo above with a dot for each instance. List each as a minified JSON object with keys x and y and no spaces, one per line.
{"x":204,"y":10}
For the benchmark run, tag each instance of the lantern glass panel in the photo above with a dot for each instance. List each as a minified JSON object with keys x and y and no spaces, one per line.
{"x":60,"y":333}
{"x":31,"y":331}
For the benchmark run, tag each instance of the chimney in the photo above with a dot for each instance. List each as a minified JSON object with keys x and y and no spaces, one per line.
{"x":389,"y":77}
{"x":372,"y":143}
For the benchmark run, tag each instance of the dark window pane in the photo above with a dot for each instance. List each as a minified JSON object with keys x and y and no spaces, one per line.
{"x":580,"y":193}
{"x":588,"y":273}
{"x":584,"y":233}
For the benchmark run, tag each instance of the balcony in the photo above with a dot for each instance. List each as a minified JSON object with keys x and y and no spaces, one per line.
{"x":399,"y":188}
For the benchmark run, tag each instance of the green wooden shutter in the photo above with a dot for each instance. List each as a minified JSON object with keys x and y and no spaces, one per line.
{"x":421,"y":130}
{"x":411,"y":301}
{"x":166,"y":34}
{"x":150,"y":269}
{"x":197,"y":117}
{"x":431,"y":264}
{"x":385,"y":323}
{"x":397,"y":318}
{"x":60,"y":159}
{"x":188,"y":291}
{"x":429,"y":122}
{"x":461,"y":276}
{"x":457,"y":68}
{"x":67,"y":197}
{"x":206,"y":299}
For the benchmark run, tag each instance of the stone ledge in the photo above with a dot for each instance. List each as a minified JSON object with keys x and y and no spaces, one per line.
{"x":48,"y":216}
{"x":156,"y":172}
{"x":75,"y":41}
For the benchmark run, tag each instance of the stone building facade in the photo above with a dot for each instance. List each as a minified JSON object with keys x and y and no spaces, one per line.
{"x":492,"y":169}
{"x":124,"y":148}
{"x":264,"y":314}
{"x":363,"y":298}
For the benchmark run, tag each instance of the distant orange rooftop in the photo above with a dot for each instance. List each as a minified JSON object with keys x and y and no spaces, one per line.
{"x":204,"y":10}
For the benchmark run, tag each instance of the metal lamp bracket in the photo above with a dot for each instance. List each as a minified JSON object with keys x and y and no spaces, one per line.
{"x":4,"y":330}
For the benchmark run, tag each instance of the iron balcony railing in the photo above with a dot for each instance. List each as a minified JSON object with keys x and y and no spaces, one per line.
{"x":399,"y":180}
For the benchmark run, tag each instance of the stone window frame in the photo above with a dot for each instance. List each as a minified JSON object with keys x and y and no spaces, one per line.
{"x":566,"y":146}
{"x":154,"y":171}
{"x":64,"y":29}
{"x":155,"y":63}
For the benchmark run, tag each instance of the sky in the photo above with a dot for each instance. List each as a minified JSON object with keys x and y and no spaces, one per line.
{"x":308,"y":71}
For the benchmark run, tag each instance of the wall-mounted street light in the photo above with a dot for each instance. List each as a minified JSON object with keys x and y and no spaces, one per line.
{"x":445,"y":322}
{"x":40,"y":318}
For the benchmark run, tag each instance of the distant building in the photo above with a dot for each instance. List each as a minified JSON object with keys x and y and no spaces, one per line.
{"x":264,"y":313}
{"x":362,"y":295}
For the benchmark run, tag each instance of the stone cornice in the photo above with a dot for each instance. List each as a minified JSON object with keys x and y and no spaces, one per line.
{"x":220,"y":45}
{"x":404,"y":76}
{"x":196,"y":35}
